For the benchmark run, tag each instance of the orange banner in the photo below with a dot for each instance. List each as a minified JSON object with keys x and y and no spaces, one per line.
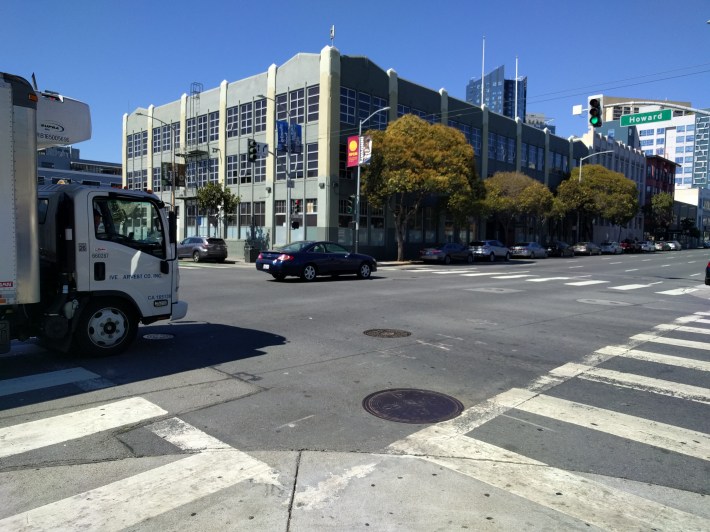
{"x":353,"y":151}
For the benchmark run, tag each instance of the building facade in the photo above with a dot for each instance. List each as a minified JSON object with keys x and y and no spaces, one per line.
{"x":499,"y":93}
{"x":64,"y":163}
{"x":204,"y":136}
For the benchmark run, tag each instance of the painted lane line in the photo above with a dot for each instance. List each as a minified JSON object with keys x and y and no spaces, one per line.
{"x":515,"y":276}
{"x":585,"y":283}
{"x":448,"y":272}
{"x":631,"y":286}
{"x":481,"y":274}
{"x":647,"y":432}
{"x":695,"y":274}
{"x":632,"y":270}
{"x":573,"y":267}
{"x":647,"y":356}
{"x":43,"y":432}
{"x":594,"y":504}
{"x":545,"y":279}
{"x":648,"y":385}
{"x":125,"y":503}
{"x":616,"y":263}
{"x":671,"y":341}
{"x":45,"y":380}
{"x":682,"y":328}
{"x":678,"y":291}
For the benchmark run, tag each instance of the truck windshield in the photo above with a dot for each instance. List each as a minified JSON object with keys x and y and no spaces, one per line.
{"x":131,"y":222}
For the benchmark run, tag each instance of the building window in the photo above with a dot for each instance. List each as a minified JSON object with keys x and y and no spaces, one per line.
{"x":492,"y":145}
{"x":297,"y":105}
{"x":311,"y":214}
{"x":312,"y":159}
{"x":259,"y":213}
{"x":500,"y":152}
{"x":313,"y":98}
{"x":260,"y":115}
{"x":347,"y":105}
{"x":156,"y":180}
{"x":232,"y":169}
{"x":214,"y":126}
{"x":245,"y":214}
{"x":232,"y":122}
{"x":202,"y":129}
{"x":403,"y":110}
{"x":281,"y":107}
{"x":166,"y":138}
{"x":244,"y":168}
{"x":190,"y":173}
{"x":156,"y":140}
{"x":176,"y":135}
{"x":245,"y":119}
{"x":214,"y":170}
{"x":540,"y":158}
{"x":532,"y":156}
{"x":379,"y":121}
{"x":144,"y":143}
{"x":202,"y":172}
{"x":259,"y":169}
{"x":129,"y":146}
{"x":524,"y":155}
{"x":363,"y":105}
{"x":191,"y":131}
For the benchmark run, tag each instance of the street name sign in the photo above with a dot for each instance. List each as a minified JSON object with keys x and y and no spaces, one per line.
{"x":639,"y":119}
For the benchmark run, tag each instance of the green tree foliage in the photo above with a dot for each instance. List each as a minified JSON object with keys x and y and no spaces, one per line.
{"x":599,"y":192}
{"x":513,"y":194}
{"x":413,"y":160}
{"x":660,"y":212}
{"x":215,"y":200}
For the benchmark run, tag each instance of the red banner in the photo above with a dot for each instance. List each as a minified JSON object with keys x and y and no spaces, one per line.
{"x":353,"y":151}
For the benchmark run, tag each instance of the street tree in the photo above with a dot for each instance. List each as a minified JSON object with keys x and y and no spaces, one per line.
{"x":659,"y":213}
{"x":215,"y":200}
{"x":510,"y":195}
{"x":599,"y":192}
{"x":413,"y":160}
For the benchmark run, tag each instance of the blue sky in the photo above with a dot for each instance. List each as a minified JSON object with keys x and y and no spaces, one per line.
{"x":118,"y":56}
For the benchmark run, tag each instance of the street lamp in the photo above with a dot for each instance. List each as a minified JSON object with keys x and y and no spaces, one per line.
{"x":356,"y":207}
{"x":289,"y":181}
{"x":172,"y":146}
{"x":581,"y":162}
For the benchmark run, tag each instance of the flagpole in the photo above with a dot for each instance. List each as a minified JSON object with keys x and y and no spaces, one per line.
{"x":483,"y":70}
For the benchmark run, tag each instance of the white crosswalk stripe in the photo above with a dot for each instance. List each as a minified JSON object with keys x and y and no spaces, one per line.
{"x":46,"y":380}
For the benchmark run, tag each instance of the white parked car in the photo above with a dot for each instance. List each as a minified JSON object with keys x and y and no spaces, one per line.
{"x":611,"y":248}
{"x":647,"y":246}
{"x":489,"y":250}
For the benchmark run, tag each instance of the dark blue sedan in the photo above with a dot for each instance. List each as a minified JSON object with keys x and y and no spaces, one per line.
{"x":309,"y":259}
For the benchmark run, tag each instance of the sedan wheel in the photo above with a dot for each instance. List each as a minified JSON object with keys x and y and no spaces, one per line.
{"x":309,"y":272}
{"x":469,"y":259}
{"x":364,"y":271}
{"x":507,"y":257}
{"x":492,"y":258}
{"x":447,"y":260}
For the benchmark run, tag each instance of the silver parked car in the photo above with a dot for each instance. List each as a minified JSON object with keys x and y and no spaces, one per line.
{"x":489,"y":250}
{"x":447,"y":253}
{"x":587,"y":248}
{"x":528,"y":250}
{"x":647,"y":246}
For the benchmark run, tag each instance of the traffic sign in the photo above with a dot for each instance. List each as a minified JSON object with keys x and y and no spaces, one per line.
{"x":262,"y":149}
{"x":639,"y":119}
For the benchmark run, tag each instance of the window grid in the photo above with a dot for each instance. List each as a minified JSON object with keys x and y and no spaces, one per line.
{"x":191,"y":131}
{"x":144,"y":143}
{"x":297,"y":105}
{"x":232,"y":169}
{"x":232,"y":122}
{"x":260,"y":115}
{"x":281,"y":107}
{"x":347,"y":105}
{"x":244,"y":168}
{"x":312,"y":159}
{"x":363,"y":106}
{"x":156,"y":180}
{"x":129,"y":146}
{"x":313,"y":98}
{"x":245,"y":119}
{"x":214,"y":126}
{"x":202,"y":129}
{"x":156,"y":140}
{"x":214,"y":170}
{"x":166,"y":138}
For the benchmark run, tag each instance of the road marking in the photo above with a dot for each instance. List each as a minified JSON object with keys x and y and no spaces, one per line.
{"x":632,"y":270}
{"x":319,"y":496}
{"x":695,"y":274}
{"x":644,"y":337}
{"x":669,"y":437}
{"x":585,"y":283}
{"x":186,"y":437}
{"x":678,"y":291}
{"x":631,"y":286}
{"x":682,"y":328}
{"x":480,"y":274}
{"x":45,"y":380}
{"x":573,"y":267}
{"x":43,"y":432}
{"x":515,"y":276}
{"x":125,"y":503}
{"x":545,"y":279}
{"x":448,"y":272}
{"x":647,"y":356}
{"x":616,"y":263}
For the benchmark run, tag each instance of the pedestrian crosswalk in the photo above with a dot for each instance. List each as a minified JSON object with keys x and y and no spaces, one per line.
{"x":203,"y":466}
{"x":528,"y":277}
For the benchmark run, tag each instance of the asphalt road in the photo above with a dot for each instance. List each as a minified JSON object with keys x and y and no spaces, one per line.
{"x":583,"y":383}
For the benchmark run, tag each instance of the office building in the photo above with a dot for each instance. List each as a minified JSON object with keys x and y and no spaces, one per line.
{"x":499,"y":93}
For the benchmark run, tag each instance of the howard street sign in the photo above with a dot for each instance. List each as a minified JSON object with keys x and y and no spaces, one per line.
{"x":639,"y":119}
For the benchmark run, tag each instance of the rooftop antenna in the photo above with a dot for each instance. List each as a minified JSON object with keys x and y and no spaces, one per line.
{"x":34,"y":81}
{"x":332,"y":35}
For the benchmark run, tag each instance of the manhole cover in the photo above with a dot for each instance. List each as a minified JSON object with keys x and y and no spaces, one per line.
{"x":407,"y":405}
{"x":387,"y":333}
{"x":158,"y":336}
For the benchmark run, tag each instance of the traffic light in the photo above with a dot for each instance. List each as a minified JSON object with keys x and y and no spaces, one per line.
{"x":295,"y":224}
{"x":252,"y":150}
{"x":350,"y":204}
{"x":296,"y":206}
{"x":595,"y":111}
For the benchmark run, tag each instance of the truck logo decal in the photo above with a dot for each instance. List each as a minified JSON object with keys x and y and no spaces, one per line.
{"x":52,"y":126}
{"x":6,"y":284}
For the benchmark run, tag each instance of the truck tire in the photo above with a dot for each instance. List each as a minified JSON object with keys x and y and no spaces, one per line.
{"x":106,"y":327}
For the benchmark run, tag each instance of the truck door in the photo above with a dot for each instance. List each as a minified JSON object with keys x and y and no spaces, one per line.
{"x":129,"y":251}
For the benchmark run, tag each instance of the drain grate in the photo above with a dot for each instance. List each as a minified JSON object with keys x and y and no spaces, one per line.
{"x":387,"y":333}
{"x":408,"y":405}
{"x":158,"y":336}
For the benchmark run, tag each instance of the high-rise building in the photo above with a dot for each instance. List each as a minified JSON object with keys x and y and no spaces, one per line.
{"x":499,"y":93}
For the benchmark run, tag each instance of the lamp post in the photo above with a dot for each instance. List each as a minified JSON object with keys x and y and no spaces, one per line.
{"x":581,"y":162}
{"x":172,"y":146}
{"x":289,"y":183}
{"x":356,"y":207}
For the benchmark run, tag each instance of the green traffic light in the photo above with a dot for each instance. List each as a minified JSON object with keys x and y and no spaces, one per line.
{"x":594,"y":120}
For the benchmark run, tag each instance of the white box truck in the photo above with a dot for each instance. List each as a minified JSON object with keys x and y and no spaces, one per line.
{"x":80,"y":266}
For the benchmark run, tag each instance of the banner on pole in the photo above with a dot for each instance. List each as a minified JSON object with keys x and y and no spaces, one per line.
{"x":353,"y":151}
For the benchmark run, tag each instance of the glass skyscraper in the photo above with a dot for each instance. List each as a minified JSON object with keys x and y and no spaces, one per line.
{"x":499,"y":93}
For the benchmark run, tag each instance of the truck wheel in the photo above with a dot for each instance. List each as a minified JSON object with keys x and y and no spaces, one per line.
{"x":106,"y":327}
